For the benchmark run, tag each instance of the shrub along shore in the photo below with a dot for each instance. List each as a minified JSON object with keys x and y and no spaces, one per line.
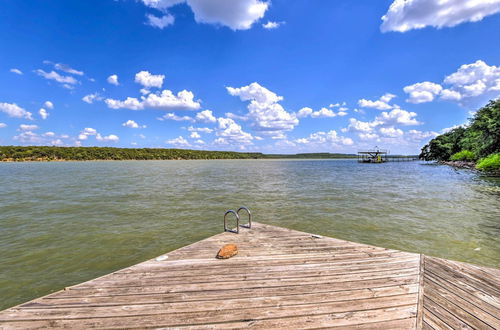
{"x":45,"y":153}
{"x":476,"y":144}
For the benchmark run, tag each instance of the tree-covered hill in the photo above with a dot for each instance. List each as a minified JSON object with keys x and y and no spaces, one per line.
{"x":479,"y":141}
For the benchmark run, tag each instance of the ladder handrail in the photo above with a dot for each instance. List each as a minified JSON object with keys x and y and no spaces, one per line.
{"x":237,"y":231}
{"x":249,"y":216}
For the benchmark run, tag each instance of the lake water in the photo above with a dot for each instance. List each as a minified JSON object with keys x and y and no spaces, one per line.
{"x":64,"y":223}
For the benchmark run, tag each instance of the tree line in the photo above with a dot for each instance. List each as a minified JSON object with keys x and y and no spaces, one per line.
{"x":478,"y":141}
{"x":52,"y":153}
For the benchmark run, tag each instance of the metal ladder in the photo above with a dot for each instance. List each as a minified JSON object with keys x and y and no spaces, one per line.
{"x":237,"y":215}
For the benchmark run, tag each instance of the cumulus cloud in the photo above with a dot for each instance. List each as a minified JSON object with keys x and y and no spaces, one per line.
{"x":179,"y":142}
{"x":422,"y":92}
{"x":391,"y":131}
{"x":200,"y":129}
{"x":235,"y":14}
{"x":383,"y":125}
{"x":272,"y":25}
{"x":86,"y":132}
{"x":229,"y":132}
{"x":205,"y":116}
{"x":160,"y":22}
{"x":166,"y":100}
{"x":48,"y":105}
{"x":397,"y":117}
{"x":471,"y":85}
{"x":405,"y":15}
{"x":24,"y":127}
{"x":90,"y":98}
{"x":15,"y":111}
{"x":381,"y":104}
{"x":113,"y":80}
{"x":29,"y":137}
{"x":43,"y":113}
{"x":330,"y":138}
{"x":148,"y":80}
{"x":2,"y":125}
{"x":195,"y":135}
{"x":132,"y":124}
{"x":108,"y":138}
{"x":264,"y":111}
{"x":16,"y":71}
{"x":173,"y":116}
{"x":419,"y":135}
{"x":321,"y":113}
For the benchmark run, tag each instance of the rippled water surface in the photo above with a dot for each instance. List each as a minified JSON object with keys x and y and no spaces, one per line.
{"x":63,"y":223}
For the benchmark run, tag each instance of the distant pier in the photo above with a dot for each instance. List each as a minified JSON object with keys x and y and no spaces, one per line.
{"x":378,"y":156}
{"x":280,"y":278}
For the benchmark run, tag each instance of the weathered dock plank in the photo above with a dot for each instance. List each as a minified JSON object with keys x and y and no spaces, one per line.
{"x":280,"y":278}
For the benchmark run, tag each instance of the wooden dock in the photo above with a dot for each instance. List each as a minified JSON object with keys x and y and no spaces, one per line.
{"x":280,"y":278}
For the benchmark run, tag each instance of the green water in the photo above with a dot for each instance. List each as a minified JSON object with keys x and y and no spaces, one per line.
{"x":64,"y":223}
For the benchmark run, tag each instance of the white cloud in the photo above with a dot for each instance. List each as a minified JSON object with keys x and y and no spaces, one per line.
{"x":230,"y":132}
{"x":205,"y":116}
{"x":66,"y":81}
{"x":166,"y":100}
{"x":381,"y":104}
{"x":195,"y":135}
{"x":28,"y":137}
{"x":179,"y":142}
{"x":49,"y":134}
{"x":304,"y":112}
{"x":359,"y":126}
{"x":132,"y":124}
{"x":450,"y":95}
{"x":160,"y":22}
{"x":475,"y":79}
{"x":65,"y":68}
{"x":173,"y":116}
{"x":13,"y":110}
{"x":235,"y":14}
{"x":24,"y":127}
{"x":391,"y":131}
{"x":109,"y":138}
{"x":199,"y":141}
{"x":397,"y":116}
{"x":90,"y":98}
{"x":422,"y":92}
{"x":113,"y":80}
{"x":405,"y":15}
{"x":149,"y":80}
{"x":330,"y":138}
{"x":93,"y":132}
{"x":385,"y":123}
{"x":272,"y":25}
{"x":16,"y":71}
{"x":321,"y":113}
{"x":471,"y":85}
{"x":200,"y":129}
{"x":43,"y":113}
{"x":48,"y":105}
{"x":2,"y":125}
{"x":88,"y":131}
{"x":419,"y":135}
{"x":264,"y":111}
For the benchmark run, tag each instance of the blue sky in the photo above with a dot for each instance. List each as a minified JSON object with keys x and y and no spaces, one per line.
{"x":275,"y":76}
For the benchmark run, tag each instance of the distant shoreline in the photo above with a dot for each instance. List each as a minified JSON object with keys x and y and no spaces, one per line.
{"x":60,"y":154}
